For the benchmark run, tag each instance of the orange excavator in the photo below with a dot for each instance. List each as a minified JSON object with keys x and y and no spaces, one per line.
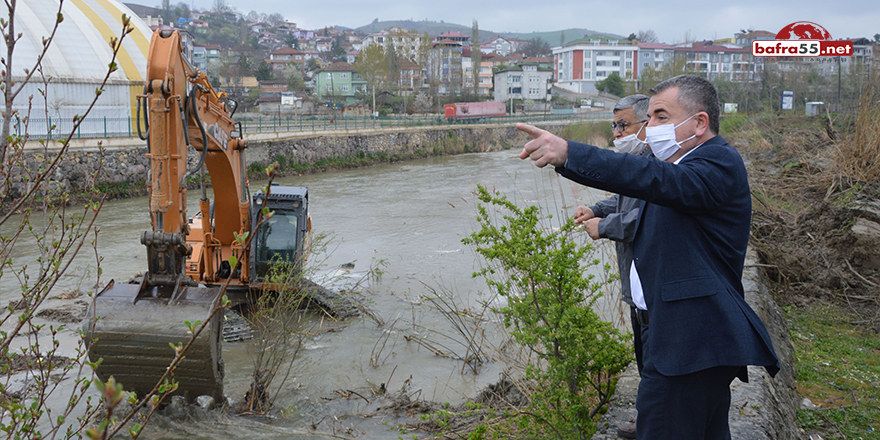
{"x":131,"y":325}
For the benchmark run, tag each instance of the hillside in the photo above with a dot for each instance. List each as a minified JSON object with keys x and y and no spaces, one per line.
{"x":434,"y":28}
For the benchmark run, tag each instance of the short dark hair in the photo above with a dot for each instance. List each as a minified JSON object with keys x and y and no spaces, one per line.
{"x":695,"y":94}
{"x":639,"y":104}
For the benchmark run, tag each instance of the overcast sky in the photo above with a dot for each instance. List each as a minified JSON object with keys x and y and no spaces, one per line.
{"x":669,"y":19}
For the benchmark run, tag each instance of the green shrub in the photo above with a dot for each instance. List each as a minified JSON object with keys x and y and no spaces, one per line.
{"x":550,"y":296}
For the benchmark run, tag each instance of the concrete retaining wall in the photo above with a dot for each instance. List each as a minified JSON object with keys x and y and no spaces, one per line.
{"x":124,"y":161}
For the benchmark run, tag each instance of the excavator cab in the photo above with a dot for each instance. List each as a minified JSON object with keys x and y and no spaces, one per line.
{"x":277,"y":248}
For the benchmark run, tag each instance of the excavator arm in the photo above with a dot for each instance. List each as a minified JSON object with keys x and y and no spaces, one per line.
{"x":183,"y":111}
{"x":132,"y":325}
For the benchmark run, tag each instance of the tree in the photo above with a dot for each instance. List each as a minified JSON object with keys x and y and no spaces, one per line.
{"x":255,"y":17}
{"x":275,"y":19}
{"x":631,"y":37}
{"x":372,"y":66}
{"x":476,"y":56}
{"x":562,"y":38}
{"x":294,"y":77}
{"x":43,"y":232}
{"x":647,"y":36}
{"x":313,"y":64}
{"x":291,"y":41}
{"x":392,"y":66}
{"x":165,"y":12}
{"x":877,"y":38}
{"x":182,"y":10}
{"x":337,"y":50}
{"x":264,"y":71}
{"x":220,"y":7}
{"x":613,"y":84}
{"x":536,"y":47}
{"x":649,"y":76}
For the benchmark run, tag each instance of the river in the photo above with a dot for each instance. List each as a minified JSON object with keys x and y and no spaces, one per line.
{"x":407,"y":219}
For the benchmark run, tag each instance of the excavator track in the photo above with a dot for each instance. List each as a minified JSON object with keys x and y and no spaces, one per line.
{"x":130,"y":330}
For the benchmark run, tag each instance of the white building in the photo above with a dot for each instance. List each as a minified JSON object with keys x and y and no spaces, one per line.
{"x":581,"y":63}
{"x":523,"y":81}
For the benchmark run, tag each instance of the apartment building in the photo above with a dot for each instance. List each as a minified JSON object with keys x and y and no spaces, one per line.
{"x":523,"y":81}
{"x":579,"y":64}
{"x":443,"y":70}
{"x":654,"y":56}
{"x":499,"y":45}
{"x":407,"y":43}
{"x":713,"y":61}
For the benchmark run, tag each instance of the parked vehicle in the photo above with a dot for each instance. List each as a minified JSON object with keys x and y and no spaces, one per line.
{"x":474,"y":110}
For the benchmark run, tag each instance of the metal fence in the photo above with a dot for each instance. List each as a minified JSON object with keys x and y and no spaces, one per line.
{"x":60,"y":128}
{"x":104,"y":127}
{"x":275,"y":124}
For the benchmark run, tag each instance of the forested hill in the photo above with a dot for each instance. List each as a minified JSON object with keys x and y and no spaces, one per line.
{"x":435,"y":28}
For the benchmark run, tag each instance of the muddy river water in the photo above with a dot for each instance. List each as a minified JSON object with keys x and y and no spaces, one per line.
{"x":408,"y":220}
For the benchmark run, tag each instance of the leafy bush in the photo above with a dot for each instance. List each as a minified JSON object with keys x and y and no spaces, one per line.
{"x":550,"y":298}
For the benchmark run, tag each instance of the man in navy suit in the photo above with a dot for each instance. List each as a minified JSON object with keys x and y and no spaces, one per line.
{"x":698,"y":333}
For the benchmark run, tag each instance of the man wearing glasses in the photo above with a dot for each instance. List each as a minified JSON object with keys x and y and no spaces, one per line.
{"x":616,"y":217}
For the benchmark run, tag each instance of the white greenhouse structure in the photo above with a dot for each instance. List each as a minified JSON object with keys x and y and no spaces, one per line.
{"x":75,"y":65}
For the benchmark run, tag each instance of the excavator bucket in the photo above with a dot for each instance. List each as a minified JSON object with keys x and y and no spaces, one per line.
{"x":130,"y":328}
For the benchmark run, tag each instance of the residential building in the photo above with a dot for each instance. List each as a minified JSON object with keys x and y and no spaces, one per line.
{"x":280,"y":58}
{"x":200,"y":57}
{"x":487,"y":77}
{"x":323,"y":44}
{"x":338,"y":83}
{"x":745,"y":39}
{"x":406,"y":42}
{"x":713,"y":61}
{"x":443,"y":67}
{"x":303,"y":34}
{"x":238,"y":84}
{"x":861,"y":58}
{"x":654,"y":56}
{"x":286,"y":28}
{"x":581,"y":63}
{"x":452,"y":36}
{"x":499,"y":45}
{"x":410,"y":76}
{"x":523,"y":81}
{"x":467,"y":69}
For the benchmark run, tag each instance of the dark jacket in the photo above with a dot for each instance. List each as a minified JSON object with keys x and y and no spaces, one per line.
{"x":689,"y":249}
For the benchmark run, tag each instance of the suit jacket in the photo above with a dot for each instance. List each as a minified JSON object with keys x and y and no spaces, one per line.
{"x":689,"y":249}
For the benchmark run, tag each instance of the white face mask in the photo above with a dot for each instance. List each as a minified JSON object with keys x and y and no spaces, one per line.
{"x":630,"y":144}
{"x":661,"y":138}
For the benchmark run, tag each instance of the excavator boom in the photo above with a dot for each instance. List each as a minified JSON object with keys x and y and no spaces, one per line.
{"x":131,"y":325}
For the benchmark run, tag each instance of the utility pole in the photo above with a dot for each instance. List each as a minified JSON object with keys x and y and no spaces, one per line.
{"x":838,"y":83}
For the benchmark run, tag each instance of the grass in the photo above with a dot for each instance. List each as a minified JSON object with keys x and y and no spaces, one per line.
{"x":593,"y":133}
{"x":838,"y":368}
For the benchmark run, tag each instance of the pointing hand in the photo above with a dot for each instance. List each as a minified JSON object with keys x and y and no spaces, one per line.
{"x":544,"y":148}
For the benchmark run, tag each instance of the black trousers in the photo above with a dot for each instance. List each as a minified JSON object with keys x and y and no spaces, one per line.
{"x":637,"y":338}
{"x":689,"y":407}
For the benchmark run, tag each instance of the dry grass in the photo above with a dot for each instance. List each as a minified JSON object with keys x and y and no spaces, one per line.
{"x":858,"y":155}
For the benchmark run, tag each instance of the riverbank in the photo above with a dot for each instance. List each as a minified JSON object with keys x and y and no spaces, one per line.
{"x":118,"y":168}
